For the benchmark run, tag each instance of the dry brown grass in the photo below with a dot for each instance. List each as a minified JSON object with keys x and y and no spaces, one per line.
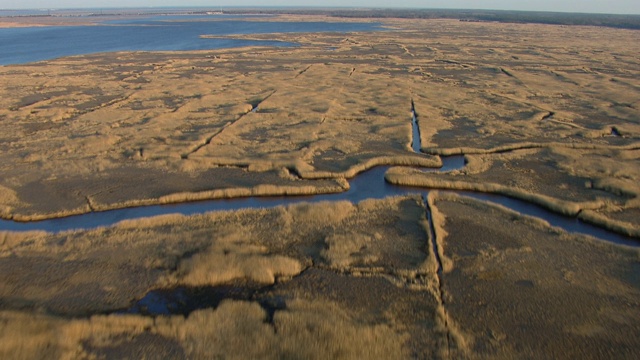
{"x":562,"y":179}
{"x":620,"y":227}
{"x":80,"y":273}
{"x":28,"y":336}
{"x":371,"y":238}
{"x":102,"y":119}
{"x":438,"y":221}
{"x":418,"y":179}
{"x":313,"y":330}
{"x":531,"y":109}
{"x":233,"y":256}
{"x":345,"y":249}
{"x":510,"y":269}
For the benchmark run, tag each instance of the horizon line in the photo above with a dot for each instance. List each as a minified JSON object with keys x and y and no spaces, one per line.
{"x":311,"y":7}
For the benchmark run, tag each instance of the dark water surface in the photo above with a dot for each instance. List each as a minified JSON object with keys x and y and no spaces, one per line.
{"x":367,"y":185}
{"x":184,"y":300}
{"x":158,"y":33}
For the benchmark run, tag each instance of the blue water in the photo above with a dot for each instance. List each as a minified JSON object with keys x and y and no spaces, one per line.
{"x":367,"y":185}
{"x":158,"y":33}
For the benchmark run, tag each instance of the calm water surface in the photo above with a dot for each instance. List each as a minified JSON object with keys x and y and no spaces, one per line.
{"x":367,"y":185}
{"x":158,"y":33}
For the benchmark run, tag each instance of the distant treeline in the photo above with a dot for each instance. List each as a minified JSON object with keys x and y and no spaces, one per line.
{"x":538,"y":17}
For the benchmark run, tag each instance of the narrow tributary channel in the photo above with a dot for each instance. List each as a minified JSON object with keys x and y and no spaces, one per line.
{"x":366,"y":185}
{"x":369,"y":184}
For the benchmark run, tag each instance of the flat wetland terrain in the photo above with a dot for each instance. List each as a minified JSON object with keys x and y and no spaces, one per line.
{"x":547,"y":114}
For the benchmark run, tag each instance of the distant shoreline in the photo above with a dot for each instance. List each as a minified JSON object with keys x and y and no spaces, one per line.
{"x":22,"y":18}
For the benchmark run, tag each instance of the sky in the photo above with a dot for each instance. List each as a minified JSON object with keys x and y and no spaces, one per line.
{"x":591,"y":6}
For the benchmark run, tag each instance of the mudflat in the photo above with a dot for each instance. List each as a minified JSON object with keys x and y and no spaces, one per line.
{"x":547,"y":114}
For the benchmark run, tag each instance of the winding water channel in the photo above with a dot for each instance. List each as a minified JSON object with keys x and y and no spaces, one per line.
{"x":369,"y":184}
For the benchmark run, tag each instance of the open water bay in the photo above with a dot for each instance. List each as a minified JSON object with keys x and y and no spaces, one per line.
{"x":158,"y":33}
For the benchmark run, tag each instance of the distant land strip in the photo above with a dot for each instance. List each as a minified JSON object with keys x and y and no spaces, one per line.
{"x":536,"y":17}
{"x":620,"y":21}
